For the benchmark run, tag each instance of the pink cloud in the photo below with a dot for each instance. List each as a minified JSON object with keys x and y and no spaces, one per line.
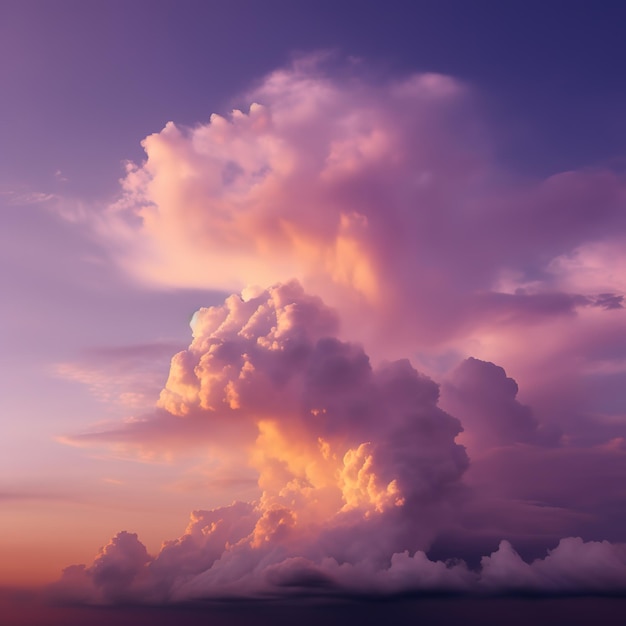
{"x":377,"y":214}
{"x":358,"y":468}
{"x":340,"y":448}
{"x":115,"y":575}
{"x":379,"y":198}
{"x":481,"y":395}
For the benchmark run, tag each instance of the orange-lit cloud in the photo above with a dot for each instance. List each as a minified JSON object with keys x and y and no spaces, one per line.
{"x":330,"y":437}
{"x":375,"y":215}
{"x":358,"y":468}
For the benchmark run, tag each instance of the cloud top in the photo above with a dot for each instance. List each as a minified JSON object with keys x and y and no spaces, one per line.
{"x":383,"y":198}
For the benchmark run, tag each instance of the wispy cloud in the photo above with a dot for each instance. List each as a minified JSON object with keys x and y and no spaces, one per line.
{"x":129,"y":375}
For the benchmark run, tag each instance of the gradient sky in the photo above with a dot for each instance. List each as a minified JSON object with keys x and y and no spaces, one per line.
{"x":445,"y":181}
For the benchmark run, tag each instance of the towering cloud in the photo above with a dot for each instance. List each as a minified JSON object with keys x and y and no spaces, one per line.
{"x":335,"y":438}
{"x":358,"y":470}
{"x":379,"y":216}
{"x":355,"y":463}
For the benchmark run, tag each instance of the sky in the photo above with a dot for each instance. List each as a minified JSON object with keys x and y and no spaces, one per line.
{"x":309,"y":301}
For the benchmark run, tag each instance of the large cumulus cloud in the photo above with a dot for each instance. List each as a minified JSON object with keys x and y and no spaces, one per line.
{"x":359,"y":470}
{"x":355,"y":463}
{"x":333,"y":439}
{"x":384,"y":202}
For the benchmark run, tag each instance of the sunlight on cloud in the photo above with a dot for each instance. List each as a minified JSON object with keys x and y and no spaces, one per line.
{"x":376,"y":213}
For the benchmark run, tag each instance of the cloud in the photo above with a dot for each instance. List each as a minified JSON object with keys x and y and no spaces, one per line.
{"x":383,"y":198}
{"x":26,"y":197}
{"x":13,"y":495}
{"x":574,"y":566}
{"x":359,"y":470}
{"x":338,"y":445}
{"x":116,"y":572}
{"x":203,"y":565}
{"x":481,"y":395}
{"x":378,"y":214}
{"x":354,"y":462}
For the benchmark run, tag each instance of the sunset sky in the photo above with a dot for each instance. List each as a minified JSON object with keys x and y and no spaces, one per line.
{"x":312,"y":298}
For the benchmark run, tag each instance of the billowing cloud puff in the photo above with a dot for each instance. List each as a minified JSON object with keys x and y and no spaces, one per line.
{"x":291,"y":181}
{"x":116,"y":573}
{"x":573,"y":566}
{"x":481,"y":395}
{"x":334,"y":439}
{"x":381,"y":198}
{"x":354,"y":463}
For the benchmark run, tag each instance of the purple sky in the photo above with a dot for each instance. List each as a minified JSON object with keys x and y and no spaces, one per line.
{"x":403,"y":227}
